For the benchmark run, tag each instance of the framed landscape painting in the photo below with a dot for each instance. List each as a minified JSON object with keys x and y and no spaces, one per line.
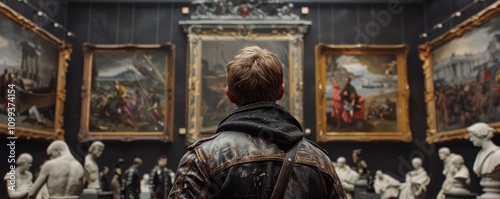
{"x":462,"y":77}
{"x":362,"y":93}
{"x":33,"y":65}
{"x":127,"y":92}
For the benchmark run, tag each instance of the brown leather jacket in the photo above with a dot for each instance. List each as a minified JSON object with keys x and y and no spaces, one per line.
{"x":236,"y":164}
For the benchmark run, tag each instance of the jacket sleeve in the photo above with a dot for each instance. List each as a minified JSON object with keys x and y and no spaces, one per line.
{"x":191,"y":180}
{"x":151,"y":183}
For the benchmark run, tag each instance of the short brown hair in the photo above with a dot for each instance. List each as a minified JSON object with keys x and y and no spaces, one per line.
{"x":253,"y":75}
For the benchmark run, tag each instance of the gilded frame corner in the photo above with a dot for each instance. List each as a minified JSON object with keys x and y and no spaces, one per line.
{"x":89,"y":51}
{"x":64,"y":52}
{"x":425,"y":53}
{"x":403,"y":133}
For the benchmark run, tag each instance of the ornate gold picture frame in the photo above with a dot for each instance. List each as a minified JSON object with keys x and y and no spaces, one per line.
{"x":362,"y":93}
{"x":34,"y":63}
{"x":209,"y":51}
{"x":462,"y":77}
{"x":127,"y":92}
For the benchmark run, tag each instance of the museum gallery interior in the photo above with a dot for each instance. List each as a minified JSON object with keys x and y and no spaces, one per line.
{"x":404,"y":95}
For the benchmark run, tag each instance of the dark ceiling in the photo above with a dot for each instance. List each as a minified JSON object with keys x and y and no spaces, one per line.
{"x":286,"y":1}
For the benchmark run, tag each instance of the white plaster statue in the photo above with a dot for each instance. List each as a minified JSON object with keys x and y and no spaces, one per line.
{"x":116,"y":181}
{"x":20,"y":179}
{"x":145,"y":183}
{"x":416,"y":181}
{"x":461,"y":177}
{"x":445,"y":155}
{"x":348,"y":176}
{"x":386,"y":186}
{"x":487,"y":162}
{"x":91,"y":167}
{"x":62,"y":174}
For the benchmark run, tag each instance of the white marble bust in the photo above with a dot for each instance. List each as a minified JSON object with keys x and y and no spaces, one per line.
{"x":91,"y":167}
{"x":461,"y":177}
{"x":445,"y":155}
{"x":487,"y":162}
{"x":416,"y":181}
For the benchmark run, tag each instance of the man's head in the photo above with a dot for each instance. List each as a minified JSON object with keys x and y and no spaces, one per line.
{"x":444,"y":152}
{"x":24,"y":161}
{"x":162,"y":161}
{"x":137,"y":162}
{"x":356,"y":155}
{"x":117,"y":84}
{"x":254,"y":75}
{"x":96,"y":148}
{"x":347,"y":80}
{"x":57,"y":149}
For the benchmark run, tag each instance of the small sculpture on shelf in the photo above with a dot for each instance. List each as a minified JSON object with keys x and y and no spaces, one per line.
{"x":386,"y":186}
{"x":461,"y":177}
{"x":445,"y":155}
{"x":91,"y":167}
{"x":348,"y":176}
{"x":63,"y":174}
{"x":487,"y":163}
{"x":416,"y":182}
{"x":19,"y":179}
{"x":361,"y":166}
{"x":116,"y":181}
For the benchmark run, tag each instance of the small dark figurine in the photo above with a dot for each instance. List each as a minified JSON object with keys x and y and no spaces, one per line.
{"x":361,"y":166}
{"x":362,"y":169}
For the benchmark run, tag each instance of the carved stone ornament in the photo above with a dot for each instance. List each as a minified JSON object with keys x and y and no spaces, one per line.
{"x":243,"y":9}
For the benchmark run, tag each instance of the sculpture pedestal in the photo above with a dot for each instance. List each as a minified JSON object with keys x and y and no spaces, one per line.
{"x":491,"y":188}
{"x":96,"y":194}
{"x":360,"y":191}
{"x":459,"y":195}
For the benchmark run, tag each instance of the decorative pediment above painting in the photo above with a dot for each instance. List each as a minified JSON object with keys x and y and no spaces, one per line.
{"x":243,"y":9}
{"x":216,"y":31}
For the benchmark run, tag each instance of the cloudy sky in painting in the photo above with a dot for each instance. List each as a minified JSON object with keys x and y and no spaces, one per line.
{"x":475,"y":41}
{"x":11,"y":36}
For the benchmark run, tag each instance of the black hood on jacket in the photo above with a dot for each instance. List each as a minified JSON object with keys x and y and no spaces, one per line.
{"x":266,"y":120}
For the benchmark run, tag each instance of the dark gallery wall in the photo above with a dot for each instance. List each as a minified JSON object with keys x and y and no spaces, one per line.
{"x":141,"y":23}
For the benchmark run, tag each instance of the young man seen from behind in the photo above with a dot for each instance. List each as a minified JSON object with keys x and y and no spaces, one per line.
{"x":244,"y":158}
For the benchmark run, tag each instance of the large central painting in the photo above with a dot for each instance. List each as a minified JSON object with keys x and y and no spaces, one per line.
{"x":215,"y":55}
{"x":209,"y":53}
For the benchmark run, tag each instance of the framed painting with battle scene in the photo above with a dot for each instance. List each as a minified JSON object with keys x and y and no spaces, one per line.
{"x":462,"y":77}
{"x":33,"y":65}
{"x":362,"y":93}
{"x":127,"y":92}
